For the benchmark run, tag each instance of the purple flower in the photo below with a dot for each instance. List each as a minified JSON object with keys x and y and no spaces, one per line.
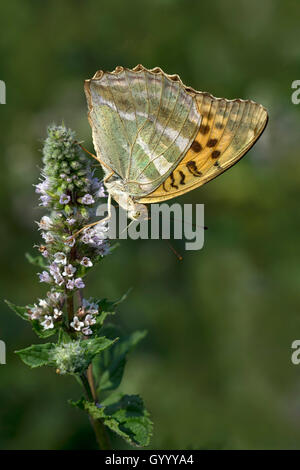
{"x":76,"y":324}
{"x":86,"y":262}
{"x":79,"y":283}
{"x":64,"y":199}
{"x":104,"y":249}
{"x":57,"y":313}
{"x":59,"y":280}
{"x":101,"y":191}
{"x":45,"y":200}
{"x":48,"y":322}
{"x":42,"y":187}
{"x":48,"y":237}
{"x":45,"y":223}
{"x":70,"y":284}
{"x":60,"y":258}
{"x":70,"y":241}
{"x":71,"y":221}
{"x":54,"y":269}
{"x":69,"y":270}
{"x":89,"y":320}
{"x":87,"y":331}
{"x":87,"y":199}
{"x":45,"y":277}
{"x":86,"y":238}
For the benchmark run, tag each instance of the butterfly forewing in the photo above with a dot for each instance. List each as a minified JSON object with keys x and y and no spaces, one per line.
{"x":143,"y":123}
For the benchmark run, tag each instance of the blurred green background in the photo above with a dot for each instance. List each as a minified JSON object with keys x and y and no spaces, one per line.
{"x":215,"y":369}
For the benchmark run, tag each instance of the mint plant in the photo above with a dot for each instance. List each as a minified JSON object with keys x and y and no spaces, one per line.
{"x":85,"y":346}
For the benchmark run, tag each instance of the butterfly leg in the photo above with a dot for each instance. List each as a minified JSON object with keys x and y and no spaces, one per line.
{"x":108,"y":176}
{"x":98,"y":221}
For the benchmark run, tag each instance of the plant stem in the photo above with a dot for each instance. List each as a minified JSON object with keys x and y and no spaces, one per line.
{"x":89,"y":386}
{"x":70,"y":308}
{"x":90,"y":378}
{"x":98,"y":426}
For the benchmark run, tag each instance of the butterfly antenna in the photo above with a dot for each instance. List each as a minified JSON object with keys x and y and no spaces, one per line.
{"x":130,"y":223}
{"x":178,"y":256}
{"x":94,"y":156}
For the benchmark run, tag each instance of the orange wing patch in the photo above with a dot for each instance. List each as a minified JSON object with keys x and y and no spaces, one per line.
{"x":228,"y":130}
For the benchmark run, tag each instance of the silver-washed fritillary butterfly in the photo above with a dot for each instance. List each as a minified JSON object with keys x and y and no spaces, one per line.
{"x":157,"y":138}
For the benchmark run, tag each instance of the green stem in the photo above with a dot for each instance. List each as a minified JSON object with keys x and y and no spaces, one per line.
{"x":97,"y":424}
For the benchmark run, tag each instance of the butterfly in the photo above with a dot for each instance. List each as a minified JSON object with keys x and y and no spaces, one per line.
{"x":157,"y":139}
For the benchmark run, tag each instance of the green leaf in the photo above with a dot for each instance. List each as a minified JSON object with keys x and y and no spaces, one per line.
{"x":36,"y":260}
{"x":96,"y":345}
{"x":36,"y":326}
{"x":123,"y":414}
{"x":63,"y":336}
{"x":100,"y":319}
{"x":109,"y":367}
{"x":106,"y":308}
{"x":20,"y":311}
{"x":37,"y":355}
{"x":133,"y":420}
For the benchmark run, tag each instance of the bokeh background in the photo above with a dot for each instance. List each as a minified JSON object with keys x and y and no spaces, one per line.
{"x":215,"y":369}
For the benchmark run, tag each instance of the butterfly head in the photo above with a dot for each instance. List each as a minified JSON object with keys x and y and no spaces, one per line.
{"x":137,"y":211}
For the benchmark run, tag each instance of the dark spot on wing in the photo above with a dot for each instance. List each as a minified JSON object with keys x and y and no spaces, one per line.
{"x":182,"y":177}
{"x":164,"y":187}
{"x":204,"y":129}
{"x":212,"y":142}
{"x":173,"y":181}
{"x":215,"y":154}
{"x":192,"y":167}
{"x":196,"y":146}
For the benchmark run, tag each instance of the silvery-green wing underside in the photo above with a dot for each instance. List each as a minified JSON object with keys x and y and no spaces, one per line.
{"x":143,"y":123}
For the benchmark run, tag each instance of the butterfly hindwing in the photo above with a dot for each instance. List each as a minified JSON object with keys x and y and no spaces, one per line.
{"x":228,"y":130}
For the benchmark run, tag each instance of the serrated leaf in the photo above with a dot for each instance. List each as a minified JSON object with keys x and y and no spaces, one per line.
{"x":126,"y":416}
{"x":134,"y":423}
{"x":20,"y":311}
{"x":36,"y":260}
{"x":106,"y":308}
{"x":36,"y":326}
{"x":37,"y":355}
{"x":78,"y":404}
{"x":96,"y":345}
{"x":109,"y":367}
{"x":101,"y":317}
